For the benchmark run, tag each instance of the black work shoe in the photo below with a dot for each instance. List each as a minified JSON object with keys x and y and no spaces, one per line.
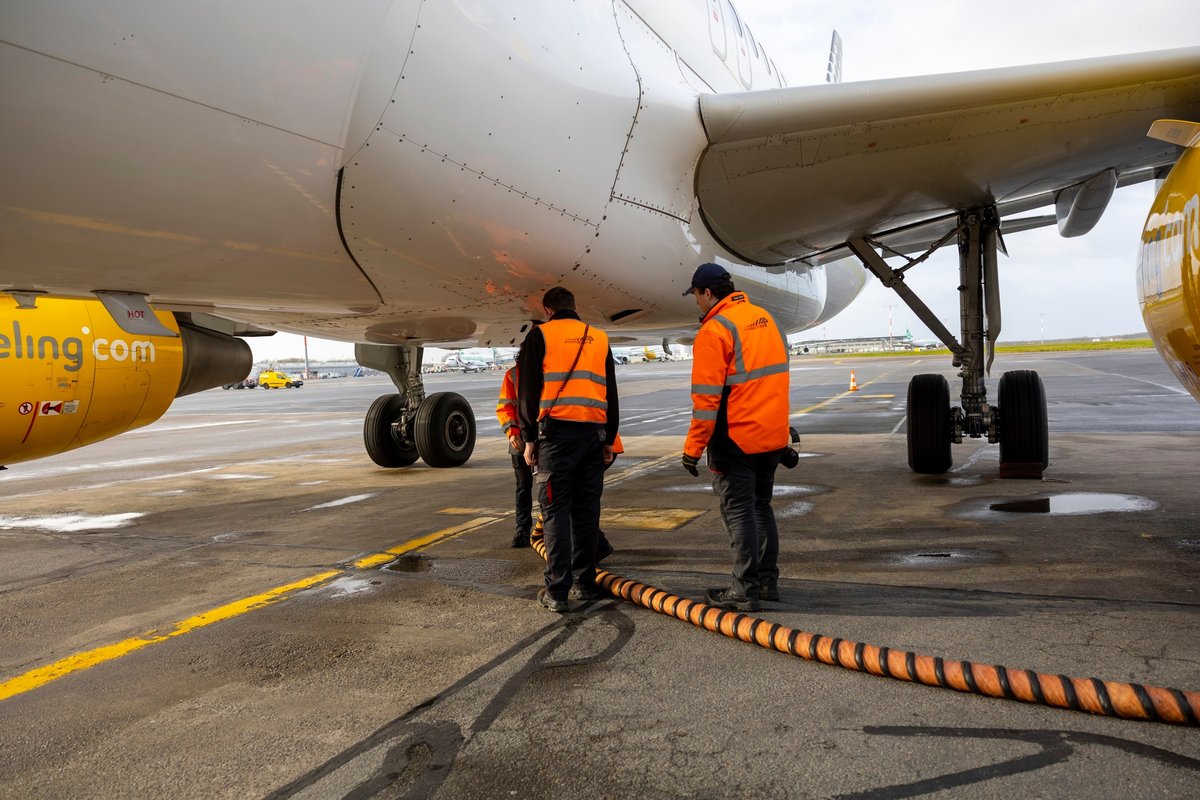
{"x":557,"y":606}
{"x":728,"y":598}
{"x":604,"y":550}
{"x":520,"y":540}
{"x":584,"y":593}
{"x":769,"y":592}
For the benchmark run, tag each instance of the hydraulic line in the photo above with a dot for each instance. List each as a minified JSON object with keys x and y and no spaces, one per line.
{"x":1091,"y":695}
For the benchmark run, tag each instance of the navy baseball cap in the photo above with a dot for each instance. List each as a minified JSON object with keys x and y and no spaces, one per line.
{"x":706,"y":276}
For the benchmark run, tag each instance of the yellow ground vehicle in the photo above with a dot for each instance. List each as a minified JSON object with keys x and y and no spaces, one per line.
{"x":270,"y":379}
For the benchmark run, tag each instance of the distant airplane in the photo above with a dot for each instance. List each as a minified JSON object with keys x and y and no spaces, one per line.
{"x":402,"y":175}
{"x":461,"y":363}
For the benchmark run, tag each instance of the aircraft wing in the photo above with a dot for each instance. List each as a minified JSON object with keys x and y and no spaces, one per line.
{"x":794,"y":173}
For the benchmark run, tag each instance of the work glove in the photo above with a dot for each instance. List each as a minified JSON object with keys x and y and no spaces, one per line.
{"x":690,"y":463}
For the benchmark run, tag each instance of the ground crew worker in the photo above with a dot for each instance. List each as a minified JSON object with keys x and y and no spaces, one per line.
{"x":506,"y":412}
{"x":740,"y":415}
{"x":567,"y":406}
{"x":604,"y":548}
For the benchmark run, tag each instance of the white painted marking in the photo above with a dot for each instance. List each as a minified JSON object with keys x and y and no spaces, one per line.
{"x":1174,"y":389}
{"x":70,"y":523}
{"x":342,"y":587}
{"x":312,"y":483}
{"x":194,"y":426}
{"x":355,"y":498}
{"x":239,"y":476}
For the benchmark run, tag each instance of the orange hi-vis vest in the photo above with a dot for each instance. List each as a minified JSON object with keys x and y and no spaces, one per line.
{"x":739,"y":348}
{"x":583,"y":398}
{"x":506,"y":405}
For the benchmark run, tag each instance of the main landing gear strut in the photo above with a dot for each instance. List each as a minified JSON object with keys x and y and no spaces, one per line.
{"x":1018,"y":420}
{"x":401,"y":427}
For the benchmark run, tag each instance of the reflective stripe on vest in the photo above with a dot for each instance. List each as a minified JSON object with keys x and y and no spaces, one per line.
{"x":584,"y":397}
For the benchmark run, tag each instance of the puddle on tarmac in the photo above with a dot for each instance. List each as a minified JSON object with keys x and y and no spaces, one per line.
{"x":409,"y":564}
{"x":1061,"y":505}
{"x":940,"y":557}
{"x":1075,"y":503}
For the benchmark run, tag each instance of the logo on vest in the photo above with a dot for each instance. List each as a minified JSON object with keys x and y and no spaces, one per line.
{"x":585,"y":339}
{"x":761,"y":322}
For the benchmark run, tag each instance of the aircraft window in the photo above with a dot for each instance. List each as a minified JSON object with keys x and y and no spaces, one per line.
{"x":736,"y":21}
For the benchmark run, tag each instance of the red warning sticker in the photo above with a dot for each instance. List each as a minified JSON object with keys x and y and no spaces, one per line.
{"x":50,"y":408}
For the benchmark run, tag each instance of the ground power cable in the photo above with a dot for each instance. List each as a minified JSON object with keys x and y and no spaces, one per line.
{"x":1091,"y":695}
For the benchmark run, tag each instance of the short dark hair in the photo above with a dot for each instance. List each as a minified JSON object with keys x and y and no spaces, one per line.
{"x":722,"y":289}
{"x":558,"y":299}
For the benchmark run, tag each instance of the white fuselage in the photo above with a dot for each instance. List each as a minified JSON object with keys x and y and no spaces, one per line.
{"x":375,"y":171}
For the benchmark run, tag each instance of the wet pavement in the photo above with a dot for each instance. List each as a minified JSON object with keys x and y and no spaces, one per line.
{"x":235,"y":602}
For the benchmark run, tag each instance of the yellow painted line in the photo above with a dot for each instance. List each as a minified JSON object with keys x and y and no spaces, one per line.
{"x":633,"y":470}
{"x":90,"y":658}
{"x":846,"y":393}
{"x":457,"y":511}
{"x":375,"y":559}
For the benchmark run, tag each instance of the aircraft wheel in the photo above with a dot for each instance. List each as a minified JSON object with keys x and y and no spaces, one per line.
{"x":1023,"y":431}
{"x":929,"y":424}
{"x":383,"y":446}
{"x":445,"y":430}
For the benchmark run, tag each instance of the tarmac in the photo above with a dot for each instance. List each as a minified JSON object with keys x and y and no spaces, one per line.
{"x":235,"y":602}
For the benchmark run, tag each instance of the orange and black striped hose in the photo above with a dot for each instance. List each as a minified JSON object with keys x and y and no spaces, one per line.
{"x":1091,"y":695}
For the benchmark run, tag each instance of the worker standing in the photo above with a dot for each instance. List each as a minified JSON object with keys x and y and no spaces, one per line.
{"x":567,"y":406}
{"x":506,"y":413}
{"x":740,"y":415}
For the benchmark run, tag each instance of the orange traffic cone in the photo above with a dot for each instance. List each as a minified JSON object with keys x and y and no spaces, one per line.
{"x":853,"y":383}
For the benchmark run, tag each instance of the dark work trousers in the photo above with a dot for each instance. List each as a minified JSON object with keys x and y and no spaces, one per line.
{"x":570,"y":476}
{"x":745,"y":484}
{"x":524,"y":511}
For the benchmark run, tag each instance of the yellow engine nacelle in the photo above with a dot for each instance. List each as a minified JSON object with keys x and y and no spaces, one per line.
{"x":70,"y":376}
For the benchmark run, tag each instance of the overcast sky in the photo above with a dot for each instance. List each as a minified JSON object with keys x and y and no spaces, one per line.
{"x":1049,"y":286}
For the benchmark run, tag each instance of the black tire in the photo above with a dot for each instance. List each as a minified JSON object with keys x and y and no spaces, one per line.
{"x":382,"y":445}
{"x":929,"y":431}
{"x":445,"y":430}
{"x":1024,"y":433}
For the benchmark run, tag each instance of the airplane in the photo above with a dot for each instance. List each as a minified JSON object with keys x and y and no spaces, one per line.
{"x":1168,"y":273}
{"x":408,"y":174}
{"x":461,"y":363}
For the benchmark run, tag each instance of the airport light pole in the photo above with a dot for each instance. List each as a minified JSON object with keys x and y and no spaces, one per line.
{"x":306,"y":358}
{"x":890,"y":345}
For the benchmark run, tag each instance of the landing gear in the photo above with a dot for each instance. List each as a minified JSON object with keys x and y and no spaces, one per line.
{"x":1018,"y":423}
{"x":1024,"y":438}
{"x":929,"y":429}
{"x":400,"y":427}
{"x":389,"y":443}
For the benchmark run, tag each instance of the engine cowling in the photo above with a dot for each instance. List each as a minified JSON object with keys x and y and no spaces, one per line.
{"x":70,"y":376}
